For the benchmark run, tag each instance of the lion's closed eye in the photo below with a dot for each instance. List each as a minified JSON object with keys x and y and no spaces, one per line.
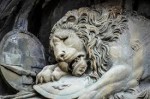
{"x":56,"y":39}
{"x":64,"y":38}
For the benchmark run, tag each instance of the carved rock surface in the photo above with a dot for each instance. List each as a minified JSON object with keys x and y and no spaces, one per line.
{"x":21,"y":56}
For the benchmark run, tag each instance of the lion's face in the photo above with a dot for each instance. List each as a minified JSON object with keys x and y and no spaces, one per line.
{"x":68,"y":47}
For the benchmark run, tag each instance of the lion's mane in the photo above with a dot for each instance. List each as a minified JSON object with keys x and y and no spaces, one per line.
{"x":96,"y":26}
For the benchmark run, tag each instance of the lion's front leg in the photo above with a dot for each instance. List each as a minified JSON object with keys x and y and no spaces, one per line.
{"x":57,"y":74}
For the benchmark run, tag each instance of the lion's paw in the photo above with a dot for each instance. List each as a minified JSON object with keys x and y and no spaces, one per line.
{"x":44,"y":75}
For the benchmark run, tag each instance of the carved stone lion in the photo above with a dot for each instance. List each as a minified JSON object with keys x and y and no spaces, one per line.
{"x":96,"y":42}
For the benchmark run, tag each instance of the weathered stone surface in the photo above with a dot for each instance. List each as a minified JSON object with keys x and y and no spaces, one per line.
{"x":21,"y":57}
{"x":46,"y":13}
{"x":114,"y":41}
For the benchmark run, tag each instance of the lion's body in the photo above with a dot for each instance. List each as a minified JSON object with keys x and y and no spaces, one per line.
{"x":115,"y":54}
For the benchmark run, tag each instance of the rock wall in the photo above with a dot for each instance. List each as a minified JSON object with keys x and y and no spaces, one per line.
{"x":44,"y":15}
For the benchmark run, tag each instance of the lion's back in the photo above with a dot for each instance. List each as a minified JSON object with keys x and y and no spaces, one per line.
{"x":140,"y":43}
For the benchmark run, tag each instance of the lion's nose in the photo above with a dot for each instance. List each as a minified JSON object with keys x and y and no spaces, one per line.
{"x":61,"y":56}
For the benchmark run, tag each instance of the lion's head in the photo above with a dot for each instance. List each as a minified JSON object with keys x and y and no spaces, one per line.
{"x":86,"y":34}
